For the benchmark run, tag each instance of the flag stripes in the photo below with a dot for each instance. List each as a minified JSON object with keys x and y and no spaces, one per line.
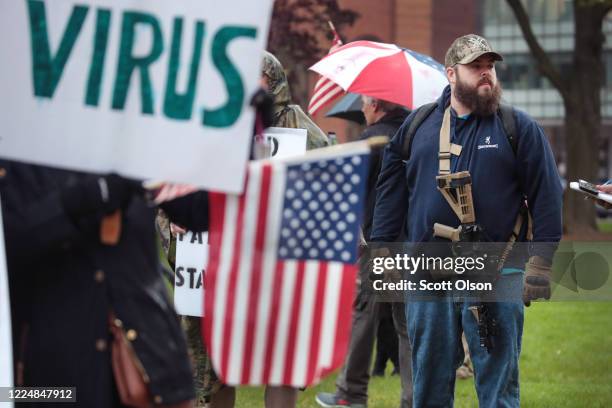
{"x":270,"y":320}
{"x":325,"y":91}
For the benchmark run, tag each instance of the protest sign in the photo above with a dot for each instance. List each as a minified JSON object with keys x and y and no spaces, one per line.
{"x":191,"y":257}
{"x":286,"y":142}
{"x":150,"y":89}
{"x":6,"y":354}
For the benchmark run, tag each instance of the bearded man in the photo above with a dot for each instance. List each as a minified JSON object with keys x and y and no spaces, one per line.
{"x":509,"y":162}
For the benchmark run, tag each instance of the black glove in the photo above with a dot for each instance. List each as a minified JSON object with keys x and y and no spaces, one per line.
{"x":99,"y":194}
{"x":263,"y":103}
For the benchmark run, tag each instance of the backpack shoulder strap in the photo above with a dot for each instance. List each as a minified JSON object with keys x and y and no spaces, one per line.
{"x":420,"y":115}
{"x":506,"y":114}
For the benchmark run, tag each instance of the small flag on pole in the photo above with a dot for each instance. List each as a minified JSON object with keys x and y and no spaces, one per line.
{"x":325,"y":91}
{"x":282,"y":268}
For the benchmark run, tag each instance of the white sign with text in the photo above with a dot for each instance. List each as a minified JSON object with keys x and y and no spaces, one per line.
{"x":191,"y":257}
{"x":286,"y":142}
{"x":151,"y":89}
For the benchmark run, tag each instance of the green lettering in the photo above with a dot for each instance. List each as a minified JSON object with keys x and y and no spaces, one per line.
{"x":94,"y":82}
{"x":46,"y":69}
{"x":177,"y":106}
{"x":128,"y":63}
{"x":228,"y":114}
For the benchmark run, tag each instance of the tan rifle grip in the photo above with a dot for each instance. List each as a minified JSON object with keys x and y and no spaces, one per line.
{"x":110,"y":228}
{"x":444,"y":231}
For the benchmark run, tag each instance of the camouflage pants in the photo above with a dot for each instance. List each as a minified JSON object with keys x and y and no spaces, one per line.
{"x":206,"y":381}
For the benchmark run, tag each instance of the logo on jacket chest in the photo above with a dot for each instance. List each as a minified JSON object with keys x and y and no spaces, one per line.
{"x":486,"y":144}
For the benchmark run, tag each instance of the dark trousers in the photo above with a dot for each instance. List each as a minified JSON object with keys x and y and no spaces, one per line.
{"x":386,"y":341}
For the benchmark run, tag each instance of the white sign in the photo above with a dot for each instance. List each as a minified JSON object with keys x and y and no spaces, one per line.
{"x":286,"y":142}
{"x":153,"y":89}
{"x":6,"y":353}
{"x":191,"y":256}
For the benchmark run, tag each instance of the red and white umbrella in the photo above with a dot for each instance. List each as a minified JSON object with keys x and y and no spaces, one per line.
{"x":384,"y":71}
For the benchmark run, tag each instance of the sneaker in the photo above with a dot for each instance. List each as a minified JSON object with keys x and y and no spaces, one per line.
{"x":329,"y":400}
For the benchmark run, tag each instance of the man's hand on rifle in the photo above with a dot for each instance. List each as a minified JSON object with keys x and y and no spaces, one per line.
{"x":537,"y":280}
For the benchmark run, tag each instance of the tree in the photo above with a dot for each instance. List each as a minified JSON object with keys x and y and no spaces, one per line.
{"x":580,"y":90}
{"x":297,"y":33}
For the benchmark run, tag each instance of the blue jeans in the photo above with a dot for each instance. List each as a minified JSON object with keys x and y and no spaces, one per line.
{"x":434,"y":329}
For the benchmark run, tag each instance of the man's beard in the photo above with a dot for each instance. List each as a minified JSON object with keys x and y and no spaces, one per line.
{"x":481,"y":105}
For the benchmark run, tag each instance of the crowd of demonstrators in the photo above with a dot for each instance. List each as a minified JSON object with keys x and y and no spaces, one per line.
{"x":383,"y":118}
{"x":71,"y":281}
{"x":408,"y":204}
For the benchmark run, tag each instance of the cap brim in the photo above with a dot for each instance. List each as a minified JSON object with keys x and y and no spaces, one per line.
{"x":471,"y":57}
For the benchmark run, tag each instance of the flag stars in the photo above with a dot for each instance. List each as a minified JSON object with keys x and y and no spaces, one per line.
{"x":319,"y":209}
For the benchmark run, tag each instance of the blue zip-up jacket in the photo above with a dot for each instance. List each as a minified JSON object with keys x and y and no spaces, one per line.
{"x":408,"y":202}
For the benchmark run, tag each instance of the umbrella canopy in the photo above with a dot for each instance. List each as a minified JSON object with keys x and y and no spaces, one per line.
{"x":384,"y":71}
{"x":349,"y":108}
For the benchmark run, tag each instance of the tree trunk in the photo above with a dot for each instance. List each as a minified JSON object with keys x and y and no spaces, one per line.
{"x":583,"y":113}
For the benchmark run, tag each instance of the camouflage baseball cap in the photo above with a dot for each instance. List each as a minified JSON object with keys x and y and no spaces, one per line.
{"x":467,"y":48}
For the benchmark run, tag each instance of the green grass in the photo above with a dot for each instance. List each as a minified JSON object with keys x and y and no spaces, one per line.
{"x":566,"y":362}
{"x":604,"y":225}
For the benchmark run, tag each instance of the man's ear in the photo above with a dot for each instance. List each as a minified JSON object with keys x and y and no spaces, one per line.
{"x":451,"y":75}
{"x":376,"y":106}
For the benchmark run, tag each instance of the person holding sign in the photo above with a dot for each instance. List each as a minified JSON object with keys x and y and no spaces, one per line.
{"x":69,"y":289}
{"x":286,"y":114}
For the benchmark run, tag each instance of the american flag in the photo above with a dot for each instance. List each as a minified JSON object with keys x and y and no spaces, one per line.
{"x":282,"y":273}
{"x":325,"y":91}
